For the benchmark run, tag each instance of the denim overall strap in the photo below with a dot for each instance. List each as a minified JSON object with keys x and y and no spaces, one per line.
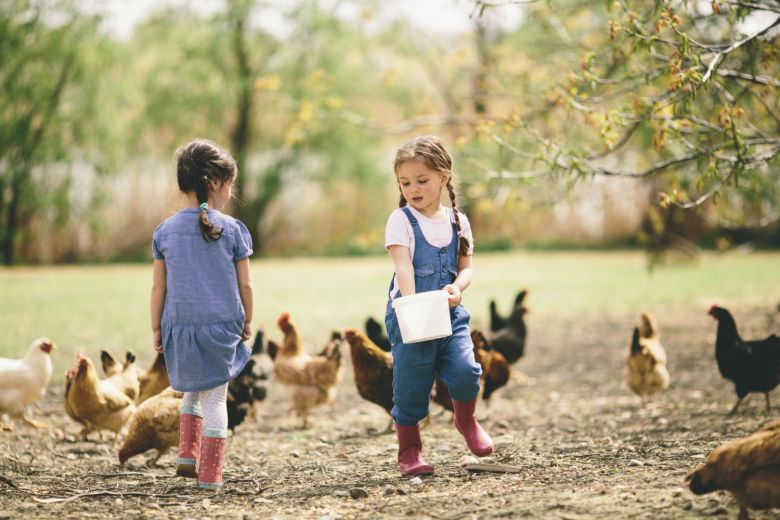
{"x":434,"y":267}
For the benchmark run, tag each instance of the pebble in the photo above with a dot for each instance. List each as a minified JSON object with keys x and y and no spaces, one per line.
{"x":358,"y":493}
{"x":468,"y":459}
{"x":416,"y":481}
{"x":636,"y":462}
{"x":687,"y":505}
{"x":262,"y":500}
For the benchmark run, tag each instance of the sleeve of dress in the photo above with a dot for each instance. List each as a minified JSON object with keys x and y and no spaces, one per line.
{"x":465,"y":228}
{"x":243,"y":247}
{"x":396,"y":230}
{"x":156,"y":248}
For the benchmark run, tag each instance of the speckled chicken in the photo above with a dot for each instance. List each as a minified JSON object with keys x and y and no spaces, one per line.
{"x":154,"y":426}
{"x":748,"y":468}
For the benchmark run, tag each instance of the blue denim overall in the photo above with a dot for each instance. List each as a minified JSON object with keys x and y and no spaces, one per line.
{"x":415,"y":364}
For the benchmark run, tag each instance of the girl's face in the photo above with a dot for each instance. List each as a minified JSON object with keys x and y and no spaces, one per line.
{"x":220,"y":194}
{"x":421,"y":186}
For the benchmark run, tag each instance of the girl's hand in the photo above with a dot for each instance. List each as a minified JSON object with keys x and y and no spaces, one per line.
{"x":157,"y":341}
{"x":455,"y":294}
{"x":247,"y":332}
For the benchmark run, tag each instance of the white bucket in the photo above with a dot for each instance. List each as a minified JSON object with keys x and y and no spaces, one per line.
{"x":423,"y":316}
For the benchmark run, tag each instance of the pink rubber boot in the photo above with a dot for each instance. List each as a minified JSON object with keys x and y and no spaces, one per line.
{"x":212,"y":459}
{"x":189,"y":445}
{"x":409,"y":447}
{"x":477,"y":439}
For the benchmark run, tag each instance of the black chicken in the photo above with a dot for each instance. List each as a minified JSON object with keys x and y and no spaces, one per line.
{"x":509,"y":340}
{"x":375,"y":333}
{"x":753,"y":366}
{"x":497,"y":321}
{"x":247,"y":387}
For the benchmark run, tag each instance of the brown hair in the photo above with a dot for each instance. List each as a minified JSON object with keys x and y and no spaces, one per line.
{"x":430,"y":150}
{"x":197,"y":164}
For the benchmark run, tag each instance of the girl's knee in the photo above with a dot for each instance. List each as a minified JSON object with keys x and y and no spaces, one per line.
{"x":463,"y":382}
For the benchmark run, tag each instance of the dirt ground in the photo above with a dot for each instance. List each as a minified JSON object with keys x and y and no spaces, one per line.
{"x":585,"y":446}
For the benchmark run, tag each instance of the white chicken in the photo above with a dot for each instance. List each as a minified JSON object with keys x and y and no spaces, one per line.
{"x":23,"y":381}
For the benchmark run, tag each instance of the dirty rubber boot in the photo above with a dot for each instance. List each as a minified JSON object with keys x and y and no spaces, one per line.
{"x":477,"y":439}
{"x":409,"y":447}
{"x":212,"y":459}
{"x":190,"y":425}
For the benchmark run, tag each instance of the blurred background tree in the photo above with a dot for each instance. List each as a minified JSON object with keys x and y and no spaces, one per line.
{"x":571,"y":123}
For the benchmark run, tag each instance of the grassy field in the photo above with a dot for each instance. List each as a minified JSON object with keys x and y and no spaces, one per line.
{"x":86,"y":308}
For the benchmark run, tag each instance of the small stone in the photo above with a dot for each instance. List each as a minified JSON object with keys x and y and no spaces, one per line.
{"x":416,"y":481}
{"x":636,"y":462}
{"x":358,"y":493}
{"x":390,"y":490}
{"x":206,"y":502}
{"x":341,"y":456}
{"x":468,"y":459}
{"x":443,"y":448}
{"x":687,"y":505}
{"x":698,"y":456}
{"x":70,"y":456}
{"x":262,"y":500}
{"x":119,"y":501}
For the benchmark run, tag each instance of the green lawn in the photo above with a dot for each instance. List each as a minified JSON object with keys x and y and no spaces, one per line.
{"x":86,"y":308}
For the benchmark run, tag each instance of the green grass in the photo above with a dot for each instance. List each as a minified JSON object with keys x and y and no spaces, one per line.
{"x":87,"y":308}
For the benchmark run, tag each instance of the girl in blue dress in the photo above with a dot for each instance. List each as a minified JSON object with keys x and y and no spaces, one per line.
{"x":202,"y":305}
{"x":431,"y":248}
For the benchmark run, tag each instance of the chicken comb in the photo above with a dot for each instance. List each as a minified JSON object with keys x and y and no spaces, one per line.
{"x":283,"y":320}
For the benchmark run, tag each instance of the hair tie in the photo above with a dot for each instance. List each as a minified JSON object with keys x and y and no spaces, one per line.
{"x":204,"y":206}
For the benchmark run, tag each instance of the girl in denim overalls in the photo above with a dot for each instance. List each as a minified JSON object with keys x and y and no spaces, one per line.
{"x":423,"y":167}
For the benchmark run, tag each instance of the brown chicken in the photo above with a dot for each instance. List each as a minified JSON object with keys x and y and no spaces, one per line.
{"x":749,"y":468}
{"x":97,"y":404}
{"x":495,"y":371}
{"x":155,"y":425}
{"x":373,"y":368}
{"x":495,"y":367}
{"x":70,"y":374}
{"x":321,"y":375}
{"x":155,"y":380}
{"x":290,"y":360}
{"x":124,"y":376}
{"x":646,"y":371}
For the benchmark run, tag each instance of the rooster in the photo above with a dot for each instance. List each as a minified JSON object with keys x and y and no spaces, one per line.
{"x":646,"y":371}
{"x":155,"y":380}
{"x":498,"y":322}
{"x":753,"y":366}
{"x":373,"y":368}
{"x":97,"y":404}
{"x":509,"y":340}
{"x":376,"y":334}
{"x":749,"y":468}
{"x":154,"y":425}
{"x":23,"y":381}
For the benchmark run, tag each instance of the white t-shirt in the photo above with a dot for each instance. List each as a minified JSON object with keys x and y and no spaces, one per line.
{"x":438,"y":233}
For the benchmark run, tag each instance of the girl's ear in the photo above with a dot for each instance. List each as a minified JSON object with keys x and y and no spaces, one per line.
{"x":215,"y":185}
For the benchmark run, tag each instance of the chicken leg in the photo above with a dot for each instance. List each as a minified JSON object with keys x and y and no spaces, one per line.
{"x":32,"y":422}
{"x":736,"y":406}
{"x":768,"y":406}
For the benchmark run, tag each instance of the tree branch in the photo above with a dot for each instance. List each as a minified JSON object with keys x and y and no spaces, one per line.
{"x":718,"y":58}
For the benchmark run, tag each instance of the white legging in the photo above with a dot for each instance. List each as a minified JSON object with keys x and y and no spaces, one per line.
{"x":213,"y":403}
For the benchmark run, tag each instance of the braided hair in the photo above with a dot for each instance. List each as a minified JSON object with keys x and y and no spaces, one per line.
{"x":199,"y":163}
{"x":430,"y":150}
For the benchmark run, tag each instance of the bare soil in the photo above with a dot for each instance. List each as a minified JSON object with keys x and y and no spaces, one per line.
{"x":584,"y":445}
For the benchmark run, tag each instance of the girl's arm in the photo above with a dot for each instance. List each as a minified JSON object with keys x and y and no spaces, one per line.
{"x":462,"y":281}
{"x":158,"y":302}
{"x":244,"y":277}
{"x":404,"y":270}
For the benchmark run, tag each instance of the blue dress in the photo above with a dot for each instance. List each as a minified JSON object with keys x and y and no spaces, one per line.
{"x":203,"y":317}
